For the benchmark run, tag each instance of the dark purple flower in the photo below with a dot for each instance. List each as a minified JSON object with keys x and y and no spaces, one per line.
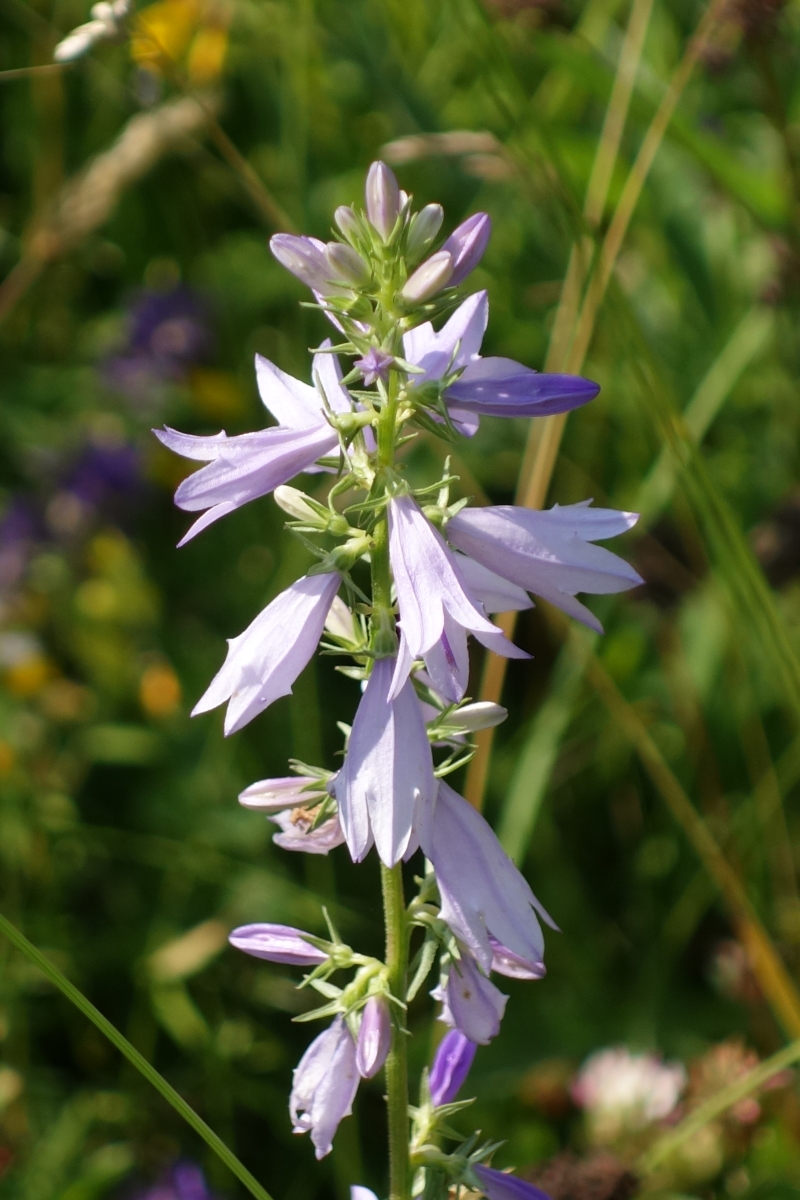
{"x":102,"y":472}
{"x":18,"y":530}
{"x":497,"y":1185}
{"x":183,"y":1181}
{"x":374,"y":365}
{"x":451,"y":1066}
{"x":168,"y":332}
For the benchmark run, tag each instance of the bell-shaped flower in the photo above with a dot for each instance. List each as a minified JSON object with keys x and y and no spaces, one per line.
{"x":263,"y":662}
{"x":494,"y":593}
{"x":242,"y":468}
{"x":298,"y":832}
{"x":483,"y":895}
{"x":436,"y":608}
{"x":470,"y":1001}
{"x":324,"y":1086}
{"x":451,"y":1066}
{"x":374,"y":1037}
{"x":549,"y":553}
{"x":278,"y":944}
{"x":386,"y":789}
{"x":492,"y":387}
{"x":497,"y":1185}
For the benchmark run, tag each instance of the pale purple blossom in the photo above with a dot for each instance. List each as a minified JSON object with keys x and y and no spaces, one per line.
{"x":374,"y":365}
{"x":386,"y":789}
{"x":498,"y":1185}
{"x":494,"y":593}
{"x":470,"y":1001}
{"x":429,"y":278}
{"x":277,"y":944}
{"x":275,"y":795}
{"x":324,"y":1085}
{"x":483,"y":894}
{"x":467,"y":244}
{"x":308,"y":261}
{"x":514,"y":966}
{"x":382,"y":194}
{"x":436,"y":608}
{"x":374,"y":1037}
{"x":299,"y":833}
{"x":549,"y":553}
{"x":451,"y":1065}
{"x":263,"y":662}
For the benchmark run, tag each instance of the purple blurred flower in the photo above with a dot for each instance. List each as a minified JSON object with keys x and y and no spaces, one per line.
{"x":382,"y":194}
{"x":497,"y":1185}
{"x":435,"y":605}
{"x":466,"y":246}
{"x":19,"y":529}
{"x":278,"y":944}
{"x":470,"y":1001}
{"x":263,"y":662}
{"x":496,"y":387}
{"x":483,"y":894}
{"x":549,"y":553}
{"x":183,"y":1181}
{"x":102,"y":472}
{"x":374,"y":1037}
{"x":454,"y":1057}
{"x":386,"y":789}
{"x":297,"y":832}
{"x":374,"y":365}
{"x":168,"y":332}
{"x":325,"y":1082}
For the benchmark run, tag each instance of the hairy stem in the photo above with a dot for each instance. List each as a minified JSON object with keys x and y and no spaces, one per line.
{"x":397,"y":1062}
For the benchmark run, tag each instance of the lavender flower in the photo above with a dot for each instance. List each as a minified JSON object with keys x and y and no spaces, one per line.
{"x":382,"y":194}
{"x":278,"y":944}
{"x":514,"y":966}
{"x":374,"y":1037}
{"x":386,"y":789}
{"x":489,"y":899}
{"x":497,"y":1185}
{"x":549,"y":553}
{"x":263,"y":662}
{"x":168,"y":332}
{"x":307,"y":259}
{"x":452,"y":1063}
{"x":494,"y":593}
{"x":374,"y":365}
{"x":298,"y":832}
{"x":325,"y":1082}
{"x":470,"y":1002}
{"x":435,"y":604}
{"x":466,"y":246}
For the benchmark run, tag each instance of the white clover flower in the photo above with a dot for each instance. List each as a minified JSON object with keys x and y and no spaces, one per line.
{"x":622,"y":1092}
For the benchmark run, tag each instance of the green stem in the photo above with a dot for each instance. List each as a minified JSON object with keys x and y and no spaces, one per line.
{"x":397,"y":1060}
{"x":132,"y":1054}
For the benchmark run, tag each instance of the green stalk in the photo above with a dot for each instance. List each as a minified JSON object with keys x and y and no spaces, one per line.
{"x":132,"y":1054}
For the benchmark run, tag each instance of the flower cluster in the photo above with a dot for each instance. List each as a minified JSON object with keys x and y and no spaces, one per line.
{"x":437,"y":571}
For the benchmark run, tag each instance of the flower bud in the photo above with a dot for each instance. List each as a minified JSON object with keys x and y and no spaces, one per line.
{"x":341,"y":623}
{"x":296,"y":504}
{"x":497,"y":1185}
{"x":305,"y":258}
{"x":347,"y":264}
{"x":451,"y":1066}
{"x":423,"y":229}
{"x":374,"y":1037}
{"x":483,"y":714}
{"x":430,"y":278}
{"x":275,"y":795}
{"x":466,"y":244}
{"x":383,"y":198}
{"x":278,"y":944}
{"x":346,"y":221}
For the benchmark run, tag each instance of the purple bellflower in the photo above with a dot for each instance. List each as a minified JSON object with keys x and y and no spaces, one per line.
{"x":298,"y":832}
{"x":324,"y":1086}
{"x":491,"y":898}
{"x":263,"y":662}
{"x":497,"y":1185}
{"x":278,"y":944}
{"x":435,"y":605}
{"x":549,"y":553}
{"x":386,"y":789}
{"x":249,"y":465}
{"x":470,"y":1001}
{"x":451,"y":1065}
{"x":374,"y":1037}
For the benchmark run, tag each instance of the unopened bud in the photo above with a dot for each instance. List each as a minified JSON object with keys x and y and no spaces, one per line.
{"x":374,"y":1037}
{"x":423,"y":229}
{"x":430,"y":278}
{"x":347,"y":264}
{"x":450,"y":1067}
{"x":276,"y":795}
{"x":278,"y":944}
{"x":483,"y":714}
{"x":297,"y":504}
{"x":383,"y":198}
{"x":466,"y":244}
{"x":340,"y":621}
{"x":305,"y":258}
{"x":346,"y":221}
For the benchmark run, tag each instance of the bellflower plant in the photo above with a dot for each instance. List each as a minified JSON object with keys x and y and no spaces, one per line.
{"x":437,"y":570}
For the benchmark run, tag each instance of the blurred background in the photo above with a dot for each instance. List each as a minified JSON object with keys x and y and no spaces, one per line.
{"x":646,"y":782}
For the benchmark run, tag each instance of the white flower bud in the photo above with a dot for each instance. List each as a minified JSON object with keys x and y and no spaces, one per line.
{"x":296,"y":504}
{"x":483,"y":714}
{"x":423,"y":229}
{"x":428,"y":279}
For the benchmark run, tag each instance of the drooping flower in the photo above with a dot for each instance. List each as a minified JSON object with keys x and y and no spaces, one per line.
{"x":470,"y":1001}
{"x":435,"y":605}
{"x":624,"y":1092}
{"x":324,"y":1085}
{"x":496,"y":387}
{"x":386,"y":789}
{"x":497,"y":1185}
{"x":549,"y":553}
{"x":278,"y":944}
{"x":454,"y":1057}
{"x":298,"y":832}
{"x":263,"y":662}
{"x":374,"y":1037}
{"x":483,"y":894}
{"x":250,"y":465}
